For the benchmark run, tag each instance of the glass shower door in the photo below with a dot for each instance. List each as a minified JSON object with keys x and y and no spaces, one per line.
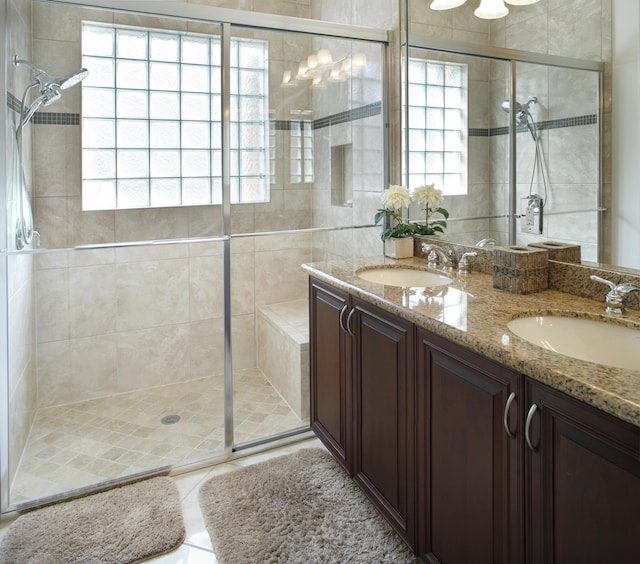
{"x":116,"y":362}
{"x":306,"y":167}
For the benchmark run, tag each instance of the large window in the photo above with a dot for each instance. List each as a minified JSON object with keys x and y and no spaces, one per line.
{"x":151,"y":109}
{"x":438,"y":125}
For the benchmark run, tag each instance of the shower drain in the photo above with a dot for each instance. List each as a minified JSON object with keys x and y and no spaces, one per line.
{"x":170,"y":419}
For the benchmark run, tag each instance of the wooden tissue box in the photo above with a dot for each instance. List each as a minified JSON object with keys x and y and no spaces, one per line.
{"x":562,"y":252}
{"x":520,"y":270}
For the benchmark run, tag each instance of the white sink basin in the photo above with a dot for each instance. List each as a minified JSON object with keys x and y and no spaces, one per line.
{"x":584,"y":339}
{"x":404,"y":277}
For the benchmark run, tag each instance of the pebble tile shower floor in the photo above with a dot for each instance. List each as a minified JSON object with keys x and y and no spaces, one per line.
{"x":75,"y":445}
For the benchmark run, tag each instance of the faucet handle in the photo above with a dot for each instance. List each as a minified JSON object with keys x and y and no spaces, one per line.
{"x":464,"y":264}
{"x":617,"y":294}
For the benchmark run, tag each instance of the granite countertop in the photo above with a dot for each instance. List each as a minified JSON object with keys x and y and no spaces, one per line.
{"x":474,"y":314}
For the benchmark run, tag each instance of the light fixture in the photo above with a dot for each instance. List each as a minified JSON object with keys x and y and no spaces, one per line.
{"x":446,"y":4}
{"x":491,"y":9}
{"x":324,"y":58}
{"x":359,"y":61}
{"x":488,"y":9}
{"x":286,"y":80}
{"x":302,"y":71}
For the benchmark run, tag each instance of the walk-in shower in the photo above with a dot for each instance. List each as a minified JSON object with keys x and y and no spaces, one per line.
{"x":168,"y":279}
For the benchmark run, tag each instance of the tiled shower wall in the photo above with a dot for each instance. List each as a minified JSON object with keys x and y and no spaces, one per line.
{"x":21,"y":304}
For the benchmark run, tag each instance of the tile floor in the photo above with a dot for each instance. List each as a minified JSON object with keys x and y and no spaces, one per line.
{"x":197,"y":548}
{"x":88,"y":442}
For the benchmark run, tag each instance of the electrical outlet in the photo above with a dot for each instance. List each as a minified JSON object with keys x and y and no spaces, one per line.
{"x":531,"y":214}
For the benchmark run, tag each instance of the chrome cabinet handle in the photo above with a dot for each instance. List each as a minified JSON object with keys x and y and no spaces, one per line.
{"x":348,"y":324}
{"x":505,"y":419}
{"x":527,"y":427}
{"x":341,"y":318}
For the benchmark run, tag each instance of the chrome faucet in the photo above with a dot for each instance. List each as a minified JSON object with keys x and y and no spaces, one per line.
{"x":464,"y":264}
{"x":435,"y":254}
{"x":617,"y":294}
{"x":486,"y":242}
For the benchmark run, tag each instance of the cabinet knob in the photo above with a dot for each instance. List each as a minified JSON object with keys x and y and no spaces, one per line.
{"x":505,"y":419}
{"x":527,"y":427}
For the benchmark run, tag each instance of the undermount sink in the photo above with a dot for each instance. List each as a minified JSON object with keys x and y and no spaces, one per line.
{"x":585,"y":339}
{"x":403,"y":277}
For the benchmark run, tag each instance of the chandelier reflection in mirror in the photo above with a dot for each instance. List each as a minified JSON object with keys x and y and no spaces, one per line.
{"x":488,"y":9}
{"x":321,"y":68}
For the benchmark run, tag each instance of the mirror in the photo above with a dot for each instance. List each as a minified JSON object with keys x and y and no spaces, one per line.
{"x":557,"y":139}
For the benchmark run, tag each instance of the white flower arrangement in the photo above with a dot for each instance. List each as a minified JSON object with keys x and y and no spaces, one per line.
{"x":397,"y":197}
{"x":431,"y":198}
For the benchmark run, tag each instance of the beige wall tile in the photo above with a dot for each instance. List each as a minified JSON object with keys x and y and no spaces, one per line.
{"x":152,"y":293}
{"x":153,"y":357}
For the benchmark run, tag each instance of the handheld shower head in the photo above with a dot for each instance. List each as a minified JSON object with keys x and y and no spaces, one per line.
{"x":48,"y":86}
{"x":71,"y":80}
{"x":46,"y":80}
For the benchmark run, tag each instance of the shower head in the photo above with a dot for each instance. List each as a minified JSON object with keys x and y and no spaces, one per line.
{"x":49,"y":88}
{"x":45,"y":80}
{"x":522,"y":110}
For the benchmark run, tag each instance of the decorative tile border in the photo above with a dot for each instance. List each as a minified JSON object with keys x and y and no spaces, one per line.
{"x":589,"y":119}
{"x":60,"y":118}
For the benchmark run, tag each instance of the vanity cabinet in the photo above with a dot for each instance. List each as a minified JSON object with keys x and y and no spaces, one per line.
{"x":362,"y":397}
{"x":469,"y":456}
{"x":468,"y":460}
{"x":383,"y":414}
{"x":330,"y":378}
{"x":583,"y":491}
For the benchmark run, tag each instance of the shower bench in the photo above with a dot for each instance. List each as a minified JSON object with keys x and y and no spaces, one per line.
{"x":283,"y":351}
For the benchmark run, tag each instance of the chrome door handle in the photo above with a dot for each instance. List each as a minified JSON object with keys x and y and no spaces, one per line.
{"x":505,"y":418}
{"x":527,"y":427}
{"x":348,"y":324}
{"x":341,"y":318}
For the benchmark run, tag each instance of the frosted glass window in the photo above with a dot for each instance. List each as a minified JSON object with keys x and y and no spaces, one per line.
{"x":164,"y":47}
{"x":195,"y":135}
{"x":102,"y":194}
{"x":102,"y":72}
{"x":132,"y":134}
{"x":133,"y":194}
{"x":165,"y":163}
{"x":165,"y":192}
{"x":437,"y":125}
{"x":165,"y":134}
{"x":99,"y":133}
{"x":152,"y":132}
{"x":131,"y":74}
{"x":132,"y":104}
{"x":163,"y":76}
{"x":164,"y":105}
{"x":301,"y":169}
{"x":133,"y":164}
{"x":131,"y":44}
{"x":98,"y":41}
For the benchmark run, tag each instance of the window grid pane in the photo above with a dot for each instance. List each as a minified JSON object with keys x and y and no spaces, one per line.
{"x":437,"y":125}
{"x":152,"y":119}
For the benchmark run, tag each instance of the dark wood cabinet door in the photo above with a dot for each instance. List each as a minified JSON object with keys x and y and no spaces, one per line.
{"x":470,"y":482}
{"x":330,"y":390}
{"x":584,"y":489}
{"x":383,"y":413}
